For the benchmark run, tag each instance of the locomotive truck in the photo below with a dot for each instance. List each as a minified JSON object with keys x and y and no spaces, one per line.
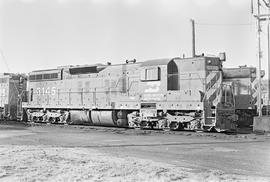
{"x":176,"y":93}
{"x":12,"y":93}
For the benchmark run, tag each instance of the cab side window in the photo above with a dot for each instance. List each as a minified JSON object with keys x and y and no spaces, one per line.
{"x":150,"y":74}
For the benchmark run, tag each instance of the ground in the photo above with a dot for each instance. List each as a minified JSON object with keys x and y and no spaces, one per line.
{"x":86,"y":153}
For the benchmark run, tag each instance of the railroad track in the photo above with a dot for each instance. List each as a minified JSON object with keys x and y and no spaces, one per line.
{"x":131,"y":131}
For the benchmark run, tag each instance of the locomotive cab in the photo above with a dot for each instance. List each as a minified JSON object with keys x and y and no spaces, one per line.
{"x":185,"y":94}
{"x":196,"y":85}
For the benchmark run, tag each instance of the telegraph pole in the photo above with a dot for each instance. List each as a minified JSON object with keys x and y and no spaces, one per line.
{"x":193,"y":37}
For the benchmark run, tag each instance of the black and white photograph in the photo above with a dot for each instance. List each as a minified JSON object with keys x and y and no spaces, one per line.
{"x":134,"y":90}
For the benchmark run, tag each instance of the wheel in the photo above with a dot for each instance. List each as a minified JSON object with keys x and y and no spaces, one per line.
{"x":174,"y":125}
{"x":122,"y":123}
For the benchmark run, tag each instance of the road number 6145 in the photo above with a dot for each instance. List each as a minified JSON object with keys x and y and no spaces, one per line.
{"x":47,"y":91}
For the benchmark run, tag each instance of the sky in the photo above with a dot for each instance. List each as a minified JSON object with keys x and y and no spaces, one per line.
{"x":43,"y":34}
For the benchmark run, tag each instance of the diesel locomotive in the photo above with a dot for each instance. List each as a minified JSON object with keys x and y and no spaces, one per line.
{"x":245,"y":83}
{"x":12,"y":94}
{"x":176,"y":93}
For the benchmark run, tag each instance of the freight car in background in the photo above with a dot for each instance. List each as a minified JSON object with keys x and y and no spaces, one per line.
{"x":12,"y":93}
{"x":245,"y":85}
{"x":177,"y":93}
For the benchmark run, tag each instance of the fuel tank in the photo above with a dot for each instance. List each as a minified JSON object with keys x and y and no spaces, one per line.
{"x":103,"y":118}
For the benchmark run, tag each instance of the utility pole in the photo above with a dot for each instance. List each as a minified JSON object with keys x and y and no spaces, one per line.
{"x":259,"y":57}
{"x":193,"y":37}
{"x":261,"y":17}
{"x":268,"y":54}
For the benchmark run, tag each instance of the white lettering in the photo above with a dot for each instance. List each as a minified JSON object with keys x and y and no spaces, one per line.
{"x":47,"y":91}
{"x":152,"y":87}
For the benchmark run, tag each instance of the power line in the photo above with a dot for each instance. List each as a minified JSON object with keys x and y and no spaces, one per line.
{"x":4,"y":59}
{"x":227,"y":24}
